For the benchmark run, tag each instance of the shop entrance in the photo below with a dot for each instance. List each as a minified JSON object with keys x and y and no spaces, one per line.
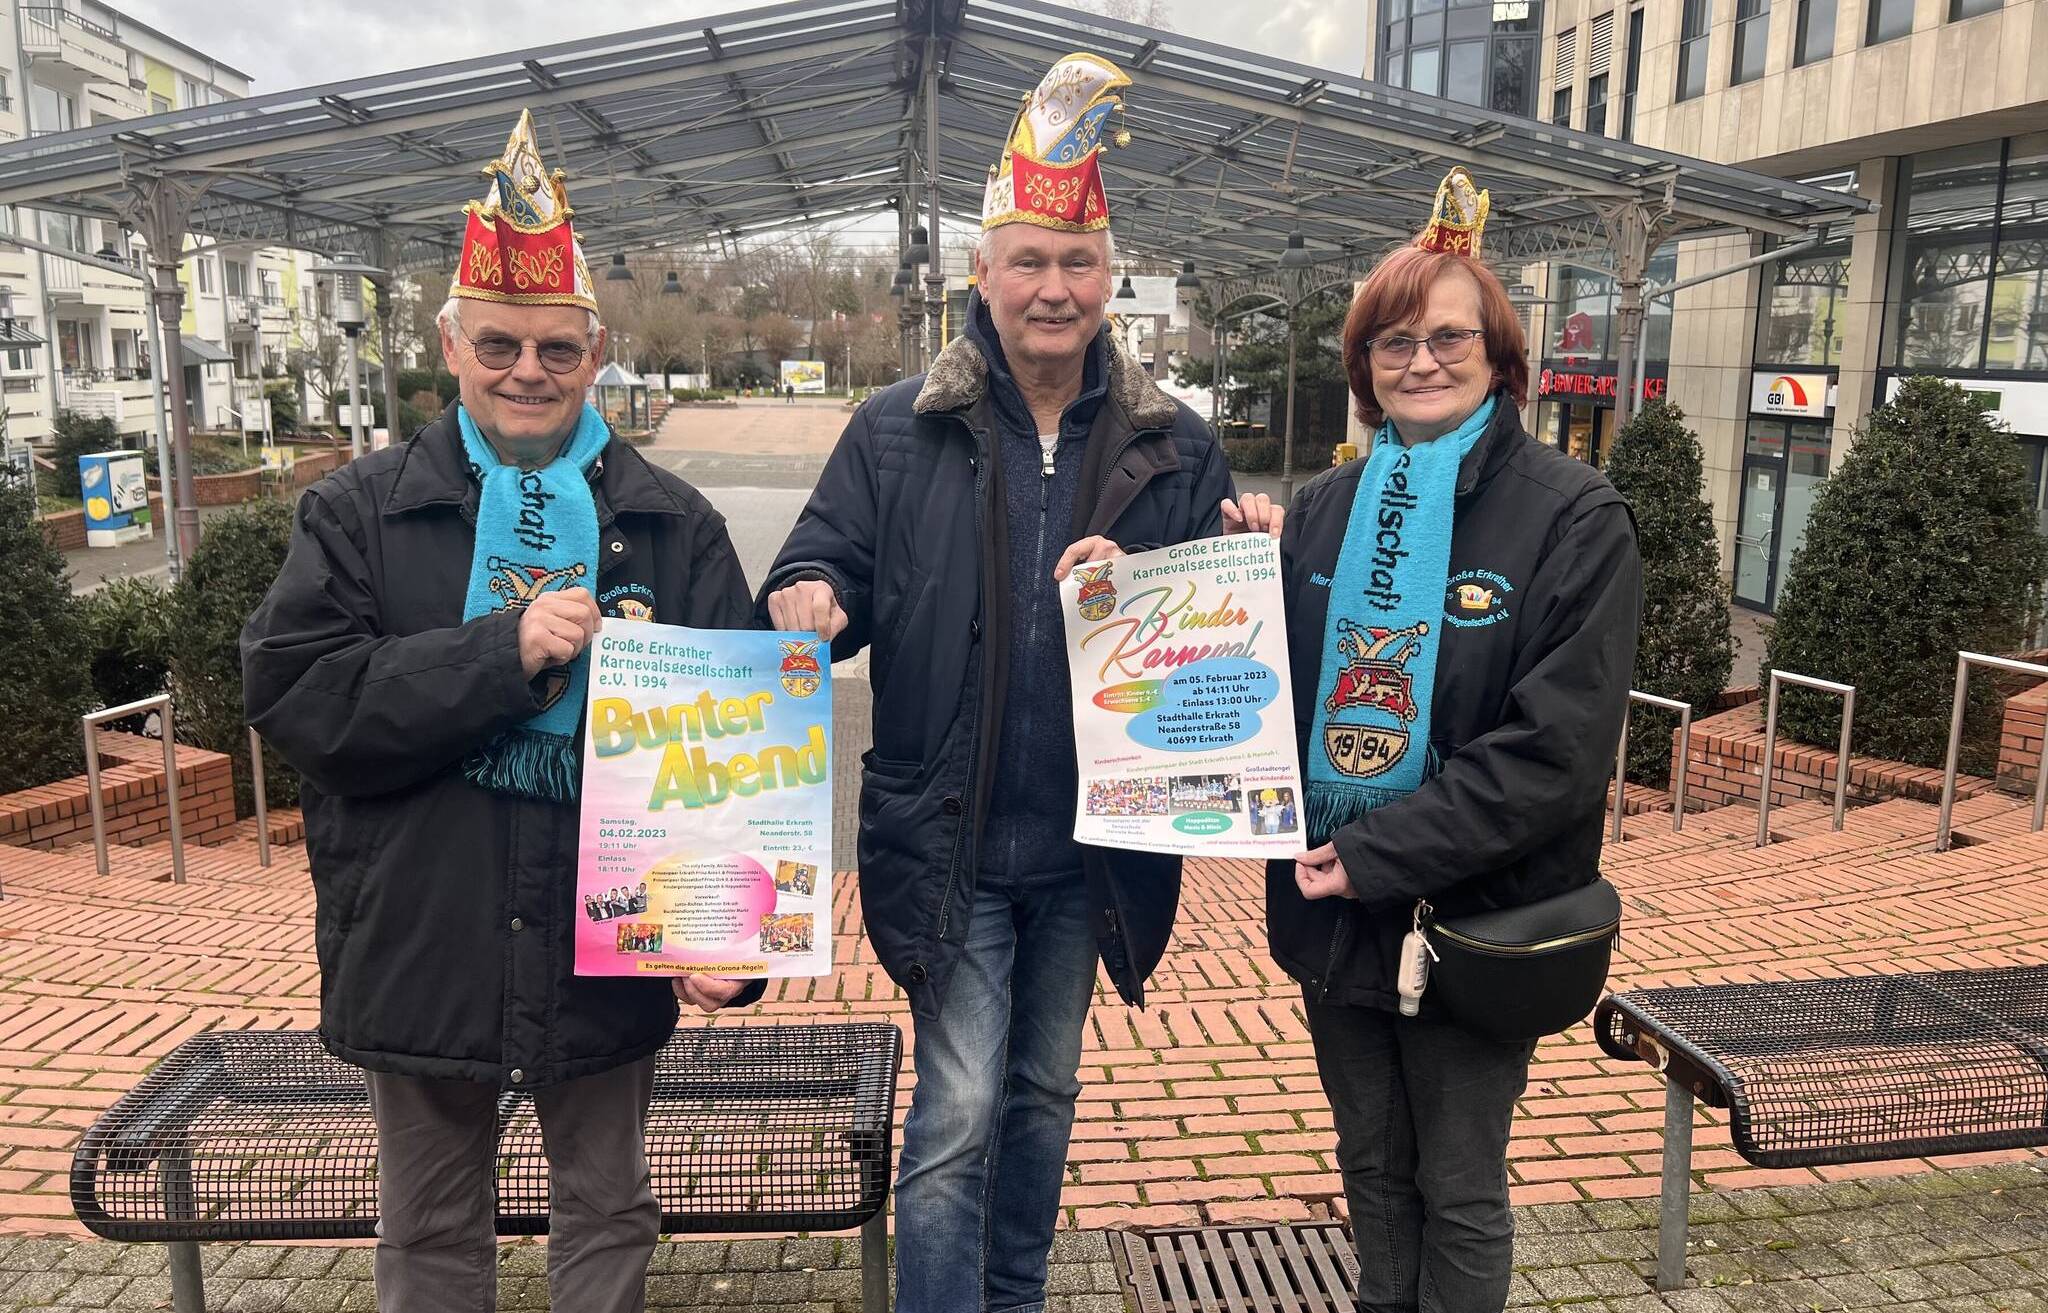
{"x":1579,"y":430}
{"x":1783,"y":465}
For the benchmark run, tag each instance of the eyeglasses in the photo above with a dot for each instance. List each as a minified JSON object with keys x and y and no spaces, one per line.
{"x":494,"y":351}
{"x":1447,"y":345}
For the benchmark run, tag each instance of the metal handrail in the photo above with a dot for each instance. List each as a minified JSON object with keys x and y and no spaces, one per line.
{"x":1684,"y":710}
{"x":1964,"y":660}
{"x":91,"y":722}
{"x":1847,"y":693}
{"x":262,"y":804}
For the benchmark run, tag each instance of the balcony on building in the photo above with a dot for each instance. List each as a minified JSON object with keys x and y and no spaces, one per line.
{"x":54,"y":38}
{"x":108,"y":100}
{"x":245,"y":313}
{"x":120,"y":393}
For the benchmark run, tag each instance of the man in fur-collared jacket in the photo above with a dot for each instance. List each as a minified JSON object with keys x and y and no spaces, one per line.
{"x":952,"y":505}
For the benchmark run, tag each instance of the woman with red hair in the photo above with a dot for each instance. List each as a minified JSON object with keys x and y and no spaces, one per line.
{"x":1462,"y":606}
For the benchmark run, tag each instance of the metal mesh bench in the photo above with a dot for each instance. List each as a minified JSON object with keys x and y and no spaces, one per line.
{"x":1816,"y":1072}
{"x":261,"y":1135}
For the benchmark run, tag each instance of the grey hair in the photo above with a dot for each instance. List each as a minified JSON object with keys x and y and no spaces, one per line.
{"x":450,"y":317}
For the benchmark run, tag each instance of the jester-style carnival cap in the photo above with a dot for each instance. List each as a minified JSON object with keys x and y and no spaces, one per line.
{"x":1458,"y":217}
{"x":518,"y":245}
{"x":1050,"y":174}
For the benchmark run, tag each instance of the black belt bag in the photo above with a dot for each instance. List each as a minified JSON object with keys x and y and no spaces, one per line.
{"x":1520,"y":973}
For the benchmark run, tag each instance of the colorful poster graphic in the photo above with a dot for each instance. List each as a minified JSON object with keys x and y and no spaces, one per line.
{"x":707,"y":804}
{"x":1183,"y":713}
{"x":804,"y":375}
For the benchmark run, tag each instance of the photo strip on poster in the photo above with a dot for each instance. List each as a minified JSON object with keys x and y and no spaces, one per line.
{"x":707,"y":804}
{"x":1183,"y":713}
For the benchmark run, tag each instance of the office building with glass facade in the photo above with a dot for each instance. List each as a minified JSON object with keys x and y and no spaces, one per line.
{"x":1937,"y":111}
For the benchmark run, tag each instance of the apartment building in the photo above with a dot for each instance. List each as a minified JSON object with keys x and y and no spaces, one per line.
{"x":1937,"y":110}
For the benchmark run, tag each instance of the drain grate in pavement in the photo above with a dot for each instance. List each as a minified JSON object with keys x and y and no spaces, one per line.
{"x":1240,"y":1269}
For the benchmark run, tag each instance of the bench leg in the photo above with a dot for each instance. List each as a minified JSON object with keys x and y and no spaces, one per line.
{"x":188,"y":1289}
{"x":1671,"y":1220}
{"x":874,"y":1263}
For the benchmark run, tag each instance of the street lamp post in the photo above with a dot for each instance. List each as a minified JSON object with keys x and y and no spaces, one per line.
{"x":347,"y":273}
{"x":1294,"y":261}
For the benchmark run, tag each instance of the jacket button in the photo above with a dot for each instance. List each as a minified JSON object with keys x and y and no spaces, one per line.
{"x":518,"y":924}
{"x":950,"y":806}
{"x":518,"y":1075}
{"x":917,"y":973}
{"x":618,"y":545}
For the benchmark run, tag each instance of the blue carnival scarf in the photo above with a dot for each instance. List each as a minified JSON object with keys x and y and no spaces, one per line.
{"x":536,"y":531}
{"x":1384,"y":625}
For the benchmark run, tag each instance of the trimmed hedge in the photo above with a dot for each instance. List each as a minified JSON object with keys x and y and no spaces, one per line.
{"x":45,"y":650}
{"x":1922,"y":543}
{"x":1686,"y":649}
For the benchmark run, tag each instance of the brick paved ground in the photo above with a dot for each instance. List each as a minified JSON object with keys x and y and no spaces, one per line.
{"x":1202,"y":1108}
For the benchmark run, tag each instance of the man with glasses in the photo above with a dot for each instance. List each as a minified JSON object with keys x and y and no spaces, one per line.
{"x":422,"y":660}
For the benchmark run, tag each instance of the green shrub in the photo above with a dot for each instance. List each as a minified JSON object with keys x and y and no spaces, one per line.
{"x":1255,"y":455}
{"x":413,"y":382}
{"x":1923,"y":542}
{"x":284,"y":405}
{"x":130,"y":624}
{"x":45,"y":680}
{"x":241,"y":553}
{"x":78,"y":435}
{"x":1686,"y":649}
{"x":698,"y":394}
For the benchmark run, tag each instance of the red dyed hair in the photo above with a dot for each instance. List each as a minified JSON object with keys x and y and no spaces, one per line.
{"x":1396,"y":291}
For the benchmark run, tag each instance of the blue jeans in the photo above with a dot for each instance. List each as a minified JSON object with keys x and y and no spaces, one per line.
{"x":985,"y":1144}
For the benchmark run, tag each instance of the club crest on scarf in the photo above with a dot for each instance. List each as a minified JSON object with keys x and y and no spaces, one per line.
{"x":518,"y":244}
{"x":1050,"y":172}
{"x":801,"y":673}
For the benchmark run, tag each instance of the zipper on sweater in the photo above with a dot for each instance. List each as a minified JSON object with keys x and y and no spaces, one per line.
{"x":973,"y":747}
{"x":1045,"y":473}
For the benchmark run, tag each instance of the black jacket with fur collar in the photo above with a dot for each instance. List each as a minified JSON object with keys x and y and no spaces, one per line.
{"x":907,"y":524}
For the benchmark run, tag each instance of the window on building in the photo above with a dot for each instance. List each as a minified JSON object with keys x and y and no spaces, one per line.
{"x":64,"y":230}
{"x":1814,"y":37}
{"x":159,"y":104}
{"x":1805,"y":312}
{"x":1752,"y":36}
{"x":235,"y":275}
{"x":1692,"y":50}
{"x":1480,"y":52}
{"x":1942,"y":275}
{"x":1632,"y":72}
{"x":2019,"y":284}
{"x":190,"y":93}
{"x":1971,"y":8}
{"x":203,"y":274}
{"x":1596,"y":105}
{"x":1582,"y":323}
{"x":1561,"y":107}
{"x":1887,"y":19}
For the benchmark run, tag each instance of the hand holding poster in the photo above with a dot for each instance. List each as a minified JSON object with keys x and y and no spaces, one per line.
{"x":707,"y":804}
{"x":1183,"y":710}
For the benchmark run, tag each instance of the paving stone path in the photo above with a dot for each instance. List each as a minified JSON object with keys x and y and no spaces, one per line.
{"x":1968,"y":1241}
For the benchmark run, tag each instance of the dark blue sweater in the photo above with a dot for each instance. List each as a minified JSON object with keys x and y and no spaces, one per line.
{"x":1028,"y":835}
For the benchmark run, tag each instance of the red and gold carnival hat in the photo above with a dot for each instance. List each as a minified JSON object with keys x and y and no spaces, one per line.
{"x":1458,"y":217}
{"x":518,"y":245}
{"x":1050,"y":174}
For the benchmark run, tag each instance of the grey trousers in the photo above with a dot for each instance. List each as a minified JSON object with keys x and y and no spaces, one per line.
{"x":1422,"y":1112}
{"x":437,"y":1246}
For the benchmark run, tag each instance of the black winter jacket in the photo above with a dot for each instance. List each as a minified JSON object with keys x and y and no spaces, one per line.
{"x":907,"y":524}
{"x":1530,"y":689}
{"x":445,"y":913}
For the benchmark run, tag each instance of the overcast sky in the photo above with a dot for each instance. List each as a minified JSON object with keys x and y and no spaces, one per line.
{"x":299,"y":44}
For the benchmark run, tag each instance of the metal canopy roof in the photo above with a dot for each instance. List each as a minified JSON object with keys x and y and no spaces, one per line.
{"x":796,"y":113}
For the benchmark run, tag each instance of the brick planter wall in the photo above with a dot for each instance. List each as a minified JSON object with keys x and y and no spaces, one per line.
{"x":132,"y":781}
{"x":2019,"y":744}
{"x":248,"y":485}
{"x":1727,"y":756}
{"x":65,"y":530}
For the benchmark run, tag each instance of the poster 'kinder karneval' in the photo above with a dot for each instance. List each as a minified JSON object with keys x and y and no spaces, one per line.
{"x":1183,"y":710}
{"x":707,"y":804}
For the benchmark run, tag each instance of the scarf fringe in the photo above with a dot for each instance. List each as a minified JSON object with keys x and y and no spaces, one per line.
{"x":529,"y":763}
{"x":1330,"y":806}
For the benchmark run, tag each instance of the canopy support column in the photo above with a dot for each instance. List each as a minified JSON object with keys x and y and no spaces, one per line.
{"x":1634,"y":229}
{"x":935,"y":269}
{"x":163,"y":209}
{"x":387,"y":332}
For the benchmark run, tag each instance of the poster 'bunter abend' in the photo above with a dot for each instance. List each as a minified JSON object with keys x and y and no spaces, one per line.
{"x":707,"y":804}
